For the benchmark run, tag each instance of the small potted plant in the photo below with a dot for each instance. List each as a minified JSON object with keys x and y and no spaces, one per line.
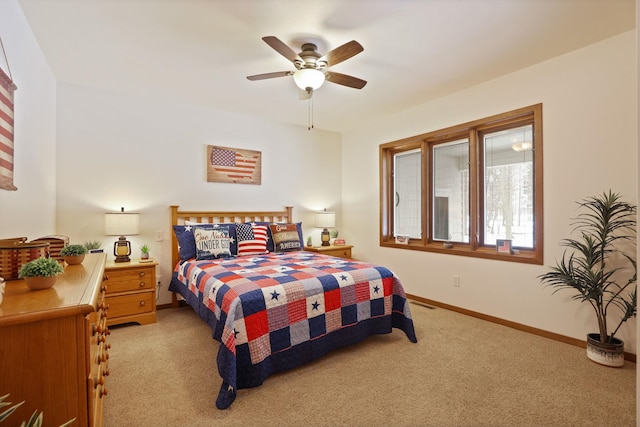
{"x":73,"y":254}
{"x":144,"y":252}
{"x":40,"y":273}
{"x":93,"y":246}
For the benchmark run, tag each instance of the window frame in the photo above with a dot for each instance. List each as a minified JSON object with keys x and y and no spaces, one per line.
{"x":473,"y":131}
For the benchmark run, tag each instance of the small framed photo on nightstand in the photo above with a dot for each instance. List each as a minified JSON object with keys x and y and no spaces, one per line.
{"x":503,"y":246}
{"x":402,"y":240}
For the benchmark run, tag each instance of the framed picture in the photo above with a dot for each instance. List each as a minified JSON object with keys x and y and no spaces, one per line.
{"x":402,"y":240}
{"x":503,"y":246}
{"x":233,"y":165}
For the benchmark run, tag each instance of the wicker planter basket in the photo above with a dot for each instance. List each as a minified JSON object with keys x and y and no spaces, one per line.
{"x":13,"y":256}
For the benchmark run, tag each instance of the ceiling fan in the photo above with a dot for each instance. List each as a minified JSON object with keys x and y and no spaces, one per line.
{"x":312,"y":67}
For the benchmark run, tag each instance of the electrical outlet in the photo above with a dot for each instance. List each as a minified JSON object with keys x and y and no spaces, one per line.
{"x":159,"y":236}
{"x":456,"y":281}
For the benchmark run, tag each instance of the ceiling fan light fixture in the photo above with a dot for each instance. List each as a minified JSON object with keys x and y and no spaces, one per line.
{"x":308,"y":78}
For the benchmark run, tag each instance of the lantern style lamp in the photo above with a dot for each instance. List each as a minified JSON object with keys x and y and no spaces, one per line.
{"x":122,"y":224}
{"x":325,"y":220}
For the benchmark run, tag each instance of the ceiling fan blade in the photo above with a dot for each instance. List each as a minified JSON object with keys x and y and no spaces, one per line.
{"x":345,"y":80}
{"x":342,"y":53}
{"x":270,"y":75}
{"x":280,"y":47}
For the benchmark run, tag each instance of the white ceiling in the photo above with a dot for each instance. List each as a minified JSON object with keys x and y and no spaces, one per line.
{"x":199,"y":52}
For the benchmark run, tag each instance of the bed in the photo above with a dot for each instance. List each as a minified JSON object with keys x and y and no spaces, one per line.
{"x":272,"y":305}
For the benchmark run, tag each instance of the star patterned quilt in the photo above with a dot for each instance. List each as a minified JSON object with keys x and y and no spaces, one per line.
{"x":275,"y":311}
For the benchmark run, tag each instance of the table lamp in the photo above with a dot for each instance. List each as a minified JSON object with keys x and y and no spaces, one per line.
{"x":325,"y":219}
{"x":120,"y":224}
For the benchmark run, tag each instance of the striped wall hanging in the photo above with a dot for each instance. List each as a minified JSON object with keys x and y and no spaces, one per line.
{"x":7,"y":87}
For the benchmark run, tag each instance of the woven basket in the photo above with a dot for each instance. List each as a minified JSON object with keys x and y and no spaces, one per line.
{"x":56,"y":243}
{"x":10,"y":241}
{"x":14,"y":256}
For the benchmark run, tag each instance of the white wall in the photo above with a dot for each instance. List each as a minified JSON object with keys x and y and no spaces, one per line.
{"x":147,"y":154}
{"x":590,"y":145}
{"x":29,"y":211}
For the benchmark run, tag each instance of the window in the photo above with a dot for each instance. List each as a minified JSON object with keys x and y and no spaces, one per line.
{"x":465,"y":189}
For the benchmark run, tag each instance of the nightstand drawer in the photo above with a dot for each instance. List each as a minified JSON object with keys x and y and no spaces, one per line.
{"x":342,"y":253}
{"x":337,"y":251}
{"x":126,"y":305}
{"x":130,"y":279}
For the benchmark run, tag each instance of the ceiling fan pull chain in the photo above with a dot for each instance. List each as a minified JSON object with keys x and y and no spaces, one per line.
{"x":310,"y":114}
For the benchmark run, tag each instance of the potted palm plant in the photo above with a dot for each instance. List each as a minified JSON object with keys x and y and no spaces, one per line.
{"x":40,"y":273}
{"x":600,"y":268}
{"x":35,"y":420}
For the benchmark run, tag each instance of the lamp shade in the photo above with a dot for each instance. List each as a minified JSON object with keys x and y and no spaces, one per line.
{"x":308,"y":78}
{"x":325,"y":219}
{"x":121,"y":223}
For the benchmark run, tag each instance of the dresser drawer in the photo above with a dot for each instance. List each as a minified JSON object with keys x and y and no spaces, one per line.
{"x":128,"y":304}
{"x":124,"y":280}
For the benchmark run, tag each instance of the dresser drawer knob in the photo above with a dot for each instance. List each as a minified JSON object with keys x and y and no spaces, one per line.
{"x":142,"y":303}
{"x":141,"y":274}
{"x":142,"y":284}
{"x":99,"y":380}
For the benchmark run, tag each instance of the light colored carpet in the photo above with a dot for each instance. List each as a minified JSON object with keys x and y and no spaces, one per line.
{"x":462,"y":372}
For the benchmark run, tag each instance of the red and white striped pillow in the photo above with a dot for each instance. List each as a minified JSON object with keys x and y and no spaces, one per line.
{"x":251,"y":239}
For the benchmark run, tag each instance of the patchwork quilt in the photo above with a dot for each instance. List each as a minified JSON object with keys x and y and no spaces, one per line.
{"x":275,"y":311}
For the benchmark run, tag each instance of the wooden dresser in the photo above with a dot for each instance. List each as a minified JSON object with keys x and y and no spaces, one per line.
{"x":53,"y":347}
{"x":131,"y":292}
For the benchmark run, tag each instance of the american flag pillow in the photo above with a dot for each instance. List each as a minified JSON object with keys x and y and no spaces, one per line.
{"x":252,"y":239}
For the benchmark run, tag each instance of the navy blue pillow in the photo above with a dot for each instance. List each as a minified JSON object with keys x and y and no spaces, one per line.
{"x":186,"y":242}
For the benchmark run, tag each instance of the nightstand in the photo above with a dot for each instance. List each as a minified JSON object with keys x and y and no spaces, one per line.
{"x":342,"y":251}
{"x":131,"y":292}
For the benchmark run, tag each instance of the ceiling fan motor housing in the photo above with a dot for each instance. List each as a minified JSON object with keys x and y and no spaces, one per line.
{"x":310,"y":57}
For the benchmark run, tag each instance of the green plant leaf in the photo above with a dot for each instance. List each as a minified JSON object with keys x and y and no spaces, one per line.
{"x":594,"y":266}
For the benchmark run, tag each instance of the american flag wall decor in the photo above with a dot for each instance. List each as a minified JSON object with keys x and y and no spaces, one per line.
{"x":7,"y":87}
{"x":233,"y":165}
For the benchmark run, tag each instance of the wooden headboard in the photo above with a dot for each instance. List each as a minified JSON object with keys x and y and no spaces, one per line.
{"x":179,"y":217}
